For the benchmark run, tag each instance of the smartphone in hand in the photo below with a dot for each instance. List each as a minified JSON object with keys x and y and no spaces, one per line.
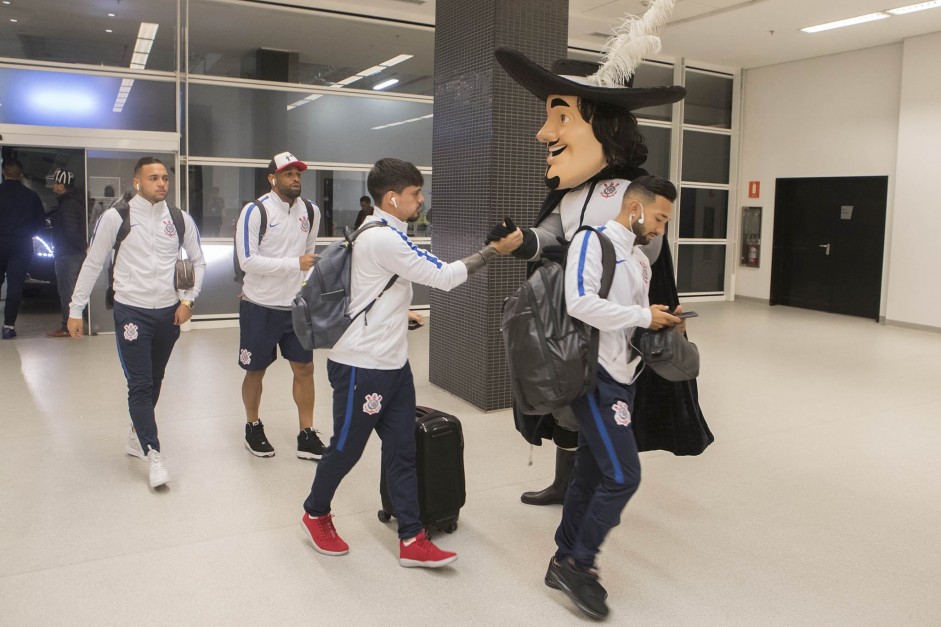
{"x":686,"y":314}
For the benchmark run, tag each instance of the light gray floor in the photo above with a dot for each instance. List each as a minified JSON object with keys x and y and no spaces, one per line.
{"x":819,"y":503}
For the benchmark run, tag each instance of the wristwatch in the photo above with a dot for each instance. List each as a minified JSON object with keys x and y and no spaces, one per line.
{"x":188,"y":303}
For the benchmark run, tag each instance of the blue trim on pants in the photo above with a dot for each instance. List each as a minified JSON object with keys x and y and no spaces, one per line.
{"x":145,"y":339}
{"x":606,"y":474}
{"x":367,"y":400}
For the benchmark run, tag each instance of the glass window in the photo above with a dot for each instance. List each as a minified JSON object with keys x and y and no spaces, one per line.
{"x":232,"y":122}
{"x":706,"y":157}
{"x":654,"y":75}
{"x":218,"y":193}
{"x":313,"y":48}
{"x":708,"y":100}
{"x":703,"y":213}
{"x":700,"y":268}
{"x":658,"y":150}
{"x":85,"y":101}
{"x":79,"y":32}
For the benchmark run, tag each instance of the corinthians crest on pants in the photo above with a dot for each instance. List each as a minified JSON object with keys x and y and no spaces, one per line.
{"x":373,"y":404}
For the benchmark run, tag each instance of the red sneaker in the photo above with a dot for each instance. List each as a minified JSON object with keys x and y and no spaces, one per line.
{"x":422,"y":553}
{"x":324,"y":535}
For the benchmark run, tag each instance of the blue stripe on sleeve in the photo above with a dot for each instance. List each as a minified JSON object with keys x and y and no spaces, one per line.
{"x":418,"y":251}
{"x":248,"y":215}
{"x":345,"y":431}
{"x":581,"y":265}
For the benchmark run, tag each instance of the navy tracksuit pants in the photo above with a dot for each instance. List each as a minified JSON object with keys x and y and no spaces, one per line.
{"x":365,"y":400}
{"x":606,"y":474}
{"x":145,"y":340}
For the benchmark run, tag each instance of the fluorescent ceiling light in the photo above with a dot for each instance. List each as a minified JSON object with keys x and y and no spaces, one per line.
{"x":424,"y":117}
{"x":370,"y":71}
{"x":862,"y":19}
{"x":921,"y":6}
{"x":396,"y":60}
{"x":147,"y":30}
{"x":347,"y":80}
{"x":384,"y":84}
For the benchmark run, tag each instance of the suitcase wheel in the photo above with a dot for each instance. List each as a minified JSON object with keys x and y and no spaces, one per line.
{"x":384,"y":516}
{"x":451,"y":528}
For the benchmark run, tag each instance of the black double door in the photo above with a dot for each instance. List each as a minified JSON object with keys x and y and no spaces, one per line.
{"x":829,"y":236}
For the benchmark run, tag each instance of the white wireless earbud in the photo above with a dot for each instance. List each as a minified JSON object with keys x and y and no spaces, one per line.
{"x":395,"y":204}
{"x":640,"y":220}
{"x":137,"y":187}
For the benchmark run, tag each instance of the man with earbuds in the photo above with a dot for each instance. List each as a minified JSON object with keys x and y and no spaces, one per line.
{"x":275,"y":237}
{"x":607,"y":467}
{"x":148,"y":309}
{"x":373,"y":388}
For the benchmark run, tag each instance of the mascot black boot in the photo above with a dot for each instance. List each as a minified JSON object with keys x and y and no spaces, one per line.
{"x":555,"y":493}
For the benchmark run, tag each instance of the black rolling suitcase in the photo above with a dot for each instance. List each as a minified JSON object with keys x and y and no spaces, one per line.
{"x":440,"y":464}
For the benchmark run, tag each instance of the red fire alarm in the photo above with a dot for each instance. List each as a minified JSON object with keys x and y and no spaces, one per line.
{"x":754,"y":189}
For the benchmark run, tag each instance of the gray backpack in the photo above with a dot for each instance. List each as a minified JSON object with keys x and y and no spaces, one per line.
{"x":552,"y":357}
{"x":319,"y":311}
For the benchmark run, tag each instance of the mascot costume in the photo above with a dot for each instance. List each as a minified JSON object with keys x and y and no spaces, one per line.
{"x":595,"y":150}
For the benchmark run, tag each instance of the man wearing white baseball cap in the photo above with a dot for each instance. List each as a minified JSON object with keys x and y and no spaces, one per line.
{"x":275,"y":238}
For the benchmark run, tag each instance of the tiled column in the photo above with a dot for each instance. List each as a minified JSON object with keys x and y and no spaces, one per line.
{"x":487,"y":165}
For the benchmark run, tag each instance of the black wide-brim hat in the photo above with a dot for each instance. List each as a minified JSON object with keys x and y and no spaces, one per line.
{"x":542,"y":83}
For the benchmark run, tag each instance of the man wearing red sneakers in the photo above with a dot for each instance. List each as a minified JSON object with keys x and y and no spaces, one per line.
{"x":368,"y":367}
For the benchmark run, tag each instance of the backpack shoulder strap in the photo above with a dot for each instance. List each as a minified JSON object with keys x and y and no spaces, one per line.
{"x":263,"y":214}
{"x":351,"y":238}
{"x":310,"y":211}
{"x":125,"y":212}
{"x":608,"y":260}
{"x":178,"y":223}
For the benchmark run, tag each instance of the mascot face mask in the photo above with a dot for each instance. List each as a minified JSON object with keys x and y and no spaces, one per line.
{"x":575,"y":154}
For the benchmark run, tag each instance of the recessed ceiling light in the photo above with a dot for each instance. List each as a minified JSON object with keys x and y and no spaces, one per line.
{"x":921,"y":6}
{"x":108,"y":30}
{"x":14,"y":20}
{"x":862,"y":19}
{"x":111,"y":15}
{"x":6,"y":1}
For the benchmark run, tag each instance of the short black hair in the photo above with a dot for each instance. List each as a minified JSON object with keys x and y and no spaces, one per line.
{"x":617,"y":131}
{"x":12,"y":163}
{"x":146,"y":161}
{"x":392,"y":175}
{"x":366,"y":198}
{"x":649,"y":187}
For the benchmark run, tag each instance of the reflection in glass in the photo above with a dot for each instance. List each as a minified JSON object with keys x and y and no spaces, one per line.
{"x":658,"y":150}
{"x":218,"y":193}
{"x":703,"y":213}
{"x":654,"y":75}
{"x":84,"y":101}
{"x":706,"y":157}
{"x":314,"y":48}
{"x":708,"y":100}
{"x":256,"y":123}
{"x":700,"y":268}
{"x":77,"y":32}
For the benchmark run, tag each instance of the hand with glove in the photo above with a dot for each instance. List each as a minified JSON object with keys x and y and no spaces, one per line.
{"x":526,"y":250}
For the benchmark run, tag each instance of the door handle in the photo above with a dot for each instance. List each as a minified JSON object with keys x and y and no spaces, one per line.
{"x":827,"y":246}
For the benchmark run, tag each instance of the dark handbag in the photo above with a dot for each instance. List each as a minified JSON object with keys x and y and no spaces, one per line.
{"x":184,"y":277}
{"x":669,"y":354}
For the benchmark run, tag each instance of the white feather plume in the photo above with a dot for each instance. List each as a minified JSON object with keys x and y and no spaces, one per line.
{"x":632,"y":40}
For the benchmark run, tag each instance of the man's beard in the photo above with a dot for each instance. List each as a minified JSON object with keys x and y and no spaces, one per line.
{"x":288,"y":192}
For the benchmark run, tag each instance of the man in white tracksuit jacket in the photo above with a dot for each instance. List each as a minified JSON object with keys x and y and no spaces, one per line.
{"x":148,"y":310}
{"x":607,"y":467}
{"x":275,"y":238}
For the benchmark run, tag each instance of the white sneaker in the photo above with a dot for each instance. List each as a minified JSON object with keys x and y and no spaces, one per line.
{"x":133,"y":446}
{"x":158,"y":472}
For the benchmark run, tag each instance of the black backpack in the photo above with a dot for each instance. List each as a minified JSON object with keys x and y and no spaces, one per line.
{"x":552,"y":357}
{"x":262,"y":229}
{"x":124,"y":210}
{"x":319,"y":311}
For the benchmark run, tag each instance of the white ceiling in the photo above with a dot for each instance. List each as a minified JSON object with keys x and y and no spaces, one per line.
{"x":729,"y":33}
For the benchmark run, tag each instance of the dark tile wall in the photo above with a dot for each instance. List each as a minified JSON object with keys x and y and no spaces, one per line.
{"x":487,"y":165}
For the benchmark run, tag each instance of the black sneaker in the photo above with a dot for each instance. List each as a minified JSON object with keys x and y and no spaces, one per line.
{"x":309,"y":445}
{"x":256,"y":441}
{"x":582,"y":587}
{"x":552,"y":577}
